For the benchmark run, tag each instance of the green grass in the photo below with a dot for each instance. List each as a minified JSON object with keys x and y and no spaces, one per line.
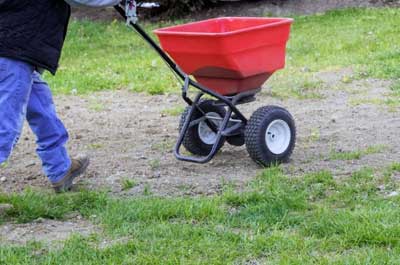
{"x":354,"y":155}
{"x":174,"y":111}
{"x":363,"y":39}
{"x":396,"y":88}
{"x":391,"y":100}
{"x":110,"y":56}
{"x":310,"y":219}
{"x":165,"y":145}
{"x":128,"y":184}
{"x":100,"y":56}
{"x":3,"y":165}
{"x":96,"y":106}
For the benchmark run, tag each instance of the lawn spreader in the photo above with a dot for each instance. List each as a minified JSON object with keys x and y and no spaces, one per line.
{"x":230,"y":59}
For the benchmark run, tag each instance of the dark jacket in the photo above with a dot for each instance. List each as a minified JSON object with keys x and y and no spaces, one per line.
{"x":34,"y":31}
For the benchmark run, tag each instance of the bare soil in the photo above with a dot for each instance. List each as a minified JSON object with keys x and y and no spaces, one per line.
{"x":50,"y":232}
{"x":128,"y":138}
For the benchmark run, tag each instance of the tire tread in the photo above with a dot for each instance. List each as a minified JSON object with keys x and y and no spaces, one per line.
{"x":252,"y":136}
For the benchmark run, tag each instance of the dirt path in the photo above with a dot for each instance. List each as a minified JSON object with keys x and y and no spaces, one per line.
{"x":128,"y":138}
{"x":49,"y":232}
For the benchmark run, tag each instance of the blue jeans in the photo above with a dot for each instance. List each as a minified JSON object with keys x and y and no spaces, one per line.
{"x":24,"y":94}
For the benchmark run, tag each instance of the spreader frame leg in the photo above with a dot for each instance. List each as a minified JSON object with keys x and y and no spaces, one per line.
{"x":224,"y":129}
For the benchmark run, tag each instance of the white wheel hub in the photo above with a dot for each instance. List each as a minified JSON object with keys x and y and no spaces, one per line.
{"x":206,"y":134}
{"x":278,"y":136}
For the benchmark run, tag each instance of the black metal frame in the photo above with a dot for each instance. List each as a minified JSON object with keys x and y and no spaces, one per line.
{"x":230,"y":102}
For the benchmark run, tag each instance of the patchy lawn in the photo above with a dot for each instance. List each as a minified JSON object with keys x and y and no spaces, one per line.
{"x":104,"y":55}
{"x":336,"y":202}
{"x":310,"y":219}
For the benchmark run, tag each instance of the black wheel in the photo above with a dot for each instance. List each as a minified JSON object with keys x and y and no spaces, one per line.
{"x":200,"y":138}
{"x":270,"y":135}
{"x":237,"y":140}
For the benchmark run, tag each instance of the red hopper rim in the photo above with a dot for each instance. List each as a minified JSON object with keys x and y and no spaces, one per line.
{"x":172,"y":29}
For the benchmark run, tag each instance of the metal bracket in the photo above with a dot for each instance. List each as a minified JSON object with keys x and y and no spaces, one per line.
{"x":185,"y":89}
{"x":131,"y":12}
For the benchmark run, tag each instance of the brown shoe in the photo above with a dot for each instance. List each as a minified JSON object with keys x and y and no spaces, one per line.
{"x":78,"y":166}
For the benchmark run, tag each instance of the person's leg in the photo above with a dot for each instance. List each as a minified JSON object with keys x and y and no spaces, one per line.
{"x":15,"y":87}
{"x":50,"y":132}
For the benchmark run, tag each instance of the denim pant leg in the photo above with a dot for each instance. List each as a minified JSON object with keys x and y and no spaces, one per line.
{"x":15,"y":87}
{"x":50,"y":132}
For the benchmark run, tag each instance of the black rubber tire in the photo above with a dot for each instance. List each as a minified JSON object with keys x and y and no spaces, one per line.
{"x":192,"y":141}
{"x":256,"y":129}
{"x":237,"y":140}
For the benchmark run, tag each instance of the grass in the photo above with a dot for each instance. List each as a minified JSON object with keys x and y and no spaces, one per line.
{"x":391,"y":99}
{"x":293,"y":83}
{"x":396,"y":87}
{"x":166,"y":145}
{"x":354,"y":155}
{"x":96,"y":106}
{"x":127,"y":184}
{"x":95,"y":146}
{"x":101,"y":56}
{"x":346,"y":38}
{"x":110,"y":56}
{"x":174,"y":111}
{"x":394,"y":98}
{"x":311,"y":219}
{"x":155,"y":164}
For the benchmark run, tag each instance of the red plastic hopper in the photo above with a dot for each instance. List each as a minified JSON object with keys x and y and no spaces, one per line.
{"x":228,"y":55}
